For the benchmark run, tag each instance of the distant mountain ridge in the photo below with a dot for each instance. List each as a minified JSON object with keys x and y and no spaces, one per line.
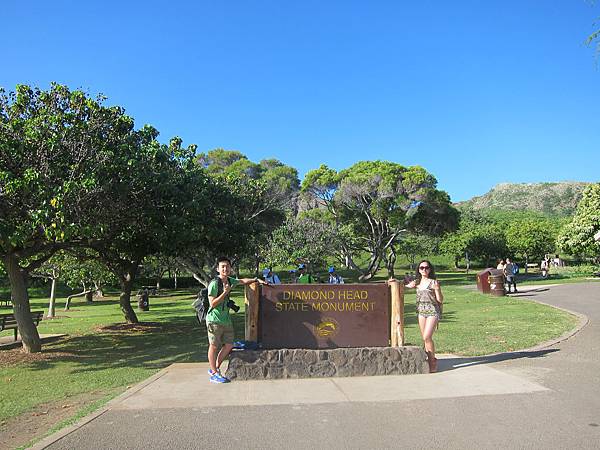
{"x":553,"y":199}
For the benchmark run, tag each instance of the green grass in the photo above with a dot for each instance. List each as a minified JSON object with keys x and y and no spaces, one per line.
{"x":476,"y":324}
{"x":102,"y":361}
{"x":106,"y":362}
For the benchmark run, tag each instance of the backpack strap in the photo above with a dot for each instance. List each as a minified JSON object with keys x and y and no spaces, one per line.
{"x":220,"y":290}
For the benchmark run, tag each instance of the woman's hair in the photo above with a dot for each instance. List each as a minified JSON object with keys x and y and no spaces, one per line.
{"x":431,"y":271}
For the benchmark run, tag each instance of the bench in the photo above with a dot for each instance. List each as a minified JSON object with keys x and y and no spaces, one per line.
{"x":9,"y":322}
{"x":5,"y":301}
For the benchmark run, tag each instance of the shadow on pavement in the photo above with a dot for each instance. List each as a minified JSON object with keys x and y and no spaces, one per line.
{"x":453,"y":363}
{"x":526,"y":293}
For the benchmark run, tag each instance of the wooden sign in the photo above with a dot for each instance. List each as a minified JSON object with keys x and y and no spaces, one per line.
{"x":324,"y":315}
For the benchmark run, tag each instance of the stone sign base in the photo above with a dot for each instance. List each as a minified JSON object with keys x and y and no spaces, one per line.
{"x":338,"y":362}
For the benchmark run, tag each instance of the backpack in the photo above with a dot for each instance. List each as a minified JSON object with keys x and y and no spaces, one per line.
{"x":202,"y":304}
{"x":515,"y":268}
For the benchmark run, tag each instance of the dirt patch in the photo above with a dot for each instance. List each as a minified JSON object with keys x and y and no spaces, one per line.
{"x":35,"y":424}
{"x":17,"y":356}
{"x":142,"y":327}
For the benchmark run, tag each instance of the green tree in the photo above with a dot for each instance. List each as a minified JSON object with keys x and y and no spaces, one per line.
{"x":530,"y":238}
{"x":51,"y":144}
{"x":477,"y":238}
{"x":413,"y":245}
{"x":155,"y":205}
{"x":380,"y":201}
{"x":75,"y":270}
{"x":577,"y":237}
{"x":302,"y":240}
{"x":251,"y":200}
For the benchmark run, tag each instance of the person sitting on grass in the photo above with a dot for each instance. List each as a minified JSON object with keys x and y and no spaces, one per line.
{"x":218,"y":323}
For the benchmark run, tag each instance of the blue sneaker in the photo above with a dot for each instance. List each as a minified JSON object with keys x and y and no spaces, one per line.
{"x":218,"y":378}
{"x":211,"y":373}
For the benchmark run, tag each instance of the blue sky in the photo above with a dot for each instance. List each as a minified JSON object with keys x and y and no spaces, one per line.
{"x":477,"y":92}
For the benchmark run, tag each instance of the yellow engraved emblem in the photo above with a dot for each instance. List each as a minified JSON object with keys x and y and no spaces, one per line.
{"x":328,"y":327}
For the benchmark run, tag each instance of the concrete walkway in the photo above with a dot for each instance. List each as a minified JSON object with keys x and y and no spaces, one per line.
{"x":541,"y":398}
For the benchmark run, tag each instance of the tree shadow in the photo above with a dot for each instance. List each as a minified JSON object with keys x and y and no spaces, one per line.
{"x":458,"y":362}
{"x":181,"y":339}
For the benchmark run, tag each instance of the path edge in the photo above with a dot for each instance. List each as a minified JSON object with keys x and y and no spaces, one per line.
{"x":51,"y":439}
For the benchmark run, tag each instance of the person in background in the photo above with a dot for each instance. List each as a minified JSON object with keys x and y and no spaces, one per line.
{"x":429,"y":307}
{"x":334,"y":278}
{"x":545,"y":266}
{"x":500,"y":266}
{"x":509,"y":275}
{"x":270,"y":277}
{"x":557,"y":262}
{"x":302,"y":276}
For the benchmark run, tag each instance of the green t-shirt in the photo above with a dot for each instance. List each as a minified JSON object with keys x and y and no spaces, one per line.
{"x":305,"y":279}
{"x":220,"y":314}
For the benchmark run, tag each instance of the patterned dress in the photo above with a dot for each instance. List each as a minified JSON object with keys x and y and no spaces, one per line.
{"x":427,"y":305}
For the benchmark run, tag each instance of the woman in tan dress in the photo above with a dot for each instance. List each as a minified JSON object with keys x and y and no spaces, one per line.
{"x":429,"y":307}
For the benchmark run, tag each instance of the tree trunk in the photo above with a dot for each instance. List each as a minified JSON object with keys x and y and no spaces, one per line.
{"x":391,"y":260}
{"x":127,"y":278}
{"x":89,"y":296}
{"x":371,"y":269}
{"x":175,"y":279}
{"x":80,"y":294}
{"x":526,"y":263}
{"x":99,"y":292}
{"x":467,"y":261}
{"x":22,"y":311}
{"x":256,"y":264}
{"x":52,"y":305}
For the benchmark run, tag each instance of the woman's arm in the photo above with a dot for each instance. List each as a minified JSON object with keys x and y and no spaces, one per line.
{"x":438,"y":292}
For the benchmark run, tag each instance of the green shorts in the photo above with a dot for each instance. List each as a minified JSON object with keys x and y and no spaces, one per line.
{"x":219,"y":334}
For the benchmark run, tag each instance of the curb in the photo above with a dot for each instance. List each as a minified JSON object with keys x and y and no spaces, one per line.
{"x":49,"y":440}
{"x":583,"y":322}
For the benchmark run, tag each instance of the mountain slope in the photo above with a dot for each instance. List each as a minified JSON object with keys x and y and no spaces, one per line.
{"x":553,"y":199}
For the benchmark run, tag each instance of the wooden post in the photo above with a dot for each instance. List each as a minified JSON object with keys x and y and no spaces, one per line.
{"x":252,"y":296}
{"x":397,"y":314}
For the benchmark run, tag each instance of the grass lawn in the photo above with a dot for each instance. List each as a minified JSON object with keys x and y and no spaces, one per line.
{"x":104,"y":357}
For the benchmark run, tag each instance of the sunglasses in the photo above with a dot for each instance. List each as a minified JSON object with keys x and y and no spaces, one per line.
{"x":424,"y":267}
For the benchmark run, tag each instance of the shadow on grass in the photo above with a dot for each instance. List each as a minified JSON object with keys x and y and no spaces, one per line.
{"x":447,"y":364}
{"x":177,"y":339}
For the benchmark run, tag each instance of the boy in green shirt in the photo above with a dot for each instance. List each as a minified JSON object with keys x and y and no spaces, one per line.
{"x":218,"y":322}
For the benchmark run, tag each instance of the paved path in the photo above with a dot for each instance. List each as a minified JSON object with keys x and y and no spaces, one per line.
{"x":544,"y":398}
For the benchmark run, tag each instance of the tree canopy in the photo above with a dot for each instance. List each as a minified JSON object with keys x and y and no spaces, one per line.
{"x":379,"y":200}
{"x":577,"y":237}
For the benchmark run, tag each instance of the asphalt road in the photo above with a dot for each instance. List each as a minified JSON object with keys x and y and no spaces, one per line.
{"x":564,"y":413}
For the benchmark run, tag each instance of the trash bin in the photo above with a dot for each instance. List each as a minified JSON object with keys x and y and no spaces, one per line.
{"x":143,"y":300}
{"x":491,"y":281}
{"x":496,"y":280}
{"x":483,"y":283}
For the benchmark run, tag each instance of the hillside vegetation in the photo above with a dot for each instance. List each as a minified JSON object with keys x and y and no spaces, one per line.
{"x":552,"y":199}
